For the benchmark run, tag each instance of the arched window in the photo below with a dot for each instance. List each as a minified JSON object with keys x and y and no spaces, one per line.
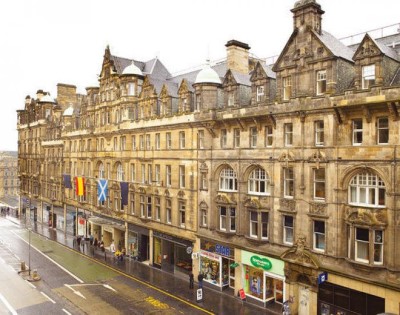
{"x":101,"y":170}
{"x":367,"y":189}
{"x":228,"y":180}
{"x":120,"y":172}
{"x":258,"y":182}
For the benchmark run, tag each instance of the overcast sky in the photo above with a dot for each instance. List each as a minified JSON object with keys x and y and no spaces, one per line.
{"x":45,"y":42}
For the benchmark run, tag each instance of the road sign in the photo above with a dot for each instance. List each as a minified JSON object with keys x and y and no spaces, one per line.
{"x":242,"y":294}
{"x":199,"y":295}
{"x":322,"y":277}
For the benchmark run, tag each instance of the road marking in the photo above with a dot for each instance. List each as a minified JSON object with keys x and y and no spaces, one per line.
{"x":31,"y":284}
{"x":75,"y":291}
{"x":53,"y":261}
{"x":47,"y":297}
{"x":66,"y":312}
{"x":8,"y":305}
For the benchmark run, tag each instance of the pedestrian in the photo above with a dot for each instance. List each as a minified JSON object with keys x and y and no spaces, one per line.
{"x":91,"y":239}
{"x":102,"y":246}
{"x":191,"y":280}
{"x":200,"y":278}
{"x":78,"y":241}
{"x":112,"y":247}
{"x":96,"y":242}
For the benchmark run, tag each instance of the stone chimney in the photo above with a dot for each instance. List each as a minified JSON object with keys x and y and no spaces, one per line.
{"x":307,"y":14}
{"x":238,"y":56}
{"x":39,"y":94}
{"x":66,"y":94}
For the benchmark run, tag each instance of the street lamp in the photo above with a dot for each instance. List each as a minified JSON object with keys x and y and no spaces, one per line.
{"x":29,"y":255}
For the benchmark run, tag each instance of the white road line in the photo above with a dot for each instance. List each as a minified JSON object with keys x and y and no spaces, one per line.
{"x":54,"y":262}
{"x":31,"y":284}
{"x":47,"y":297}
{"x":66,"y":312}
{"x":9,"y":307}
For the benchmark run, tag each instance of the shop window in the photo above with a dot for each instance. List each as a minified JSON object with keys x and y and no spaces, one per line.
{"x":319,"y":184}
{"x":227,"y":218}
{"x":228,"y":180}
{"x":288,"y":226}
{"x":319,"y":132}
{"x":357,"y":131}
{"x":368,"y":190}
{"x":383,"y":130}
{"x":259,"y":183}
{"x":319,"y":235}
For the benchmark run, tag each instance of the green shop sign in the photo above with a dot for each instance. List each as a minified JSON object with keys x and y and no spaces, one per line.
{"x":263,"y":263}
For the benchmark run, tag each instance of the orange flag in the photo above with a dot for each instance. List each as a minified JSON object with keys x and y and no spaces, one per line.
{"x":79,"y":186}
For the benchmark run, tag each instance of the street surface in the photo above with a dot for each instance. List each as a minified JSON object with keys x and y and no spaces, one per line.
{"x":71,"y":282}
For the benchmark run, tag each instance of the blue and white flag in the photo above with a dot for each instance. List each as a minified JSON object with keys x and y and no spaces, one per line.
{"x":102,"y":189}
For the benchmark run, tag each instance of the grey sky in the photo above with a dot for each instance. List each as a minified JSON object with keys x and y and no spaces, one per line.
{"x":45,"y":42}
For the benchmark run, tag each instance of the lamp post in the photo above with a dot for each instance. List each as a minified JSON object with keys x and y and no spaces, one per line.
{"x":29,"y":255}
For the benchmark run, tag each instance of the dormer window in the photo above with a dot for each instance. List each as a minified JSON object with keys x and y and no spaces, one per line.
{"x":368,"y":76}
{"x":321,"y":82}
{"x":260,"y":93}
{"x":231,"y":99}
{"x":287,"y":88}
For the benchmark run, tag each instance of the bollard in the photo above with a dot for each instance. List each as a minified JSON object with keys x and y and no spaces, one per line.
{"x":23,"y":266}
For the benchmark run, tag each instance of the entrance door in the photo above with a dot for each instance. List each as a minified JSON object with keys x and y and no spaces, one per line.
{"x":144,"y":248}
{"x":231,"y":275}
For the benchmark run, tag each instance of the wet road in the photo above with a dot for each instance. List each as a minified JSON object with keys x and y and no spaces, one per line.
{"x":72,"y":283}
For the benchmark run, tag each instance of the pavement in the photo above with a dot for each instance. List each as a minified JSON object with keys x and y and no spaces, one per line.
{"x":216,"y":301}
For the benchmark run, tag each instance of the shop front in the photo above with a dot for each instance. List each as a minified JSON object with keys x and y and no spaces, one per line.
{"x":138,"y":242}
{"x":172,"y":254}
{"x":70,"y":225}
{"x":263,"y":278}
{"x":103,"y":229}
{"x":217,"y":264}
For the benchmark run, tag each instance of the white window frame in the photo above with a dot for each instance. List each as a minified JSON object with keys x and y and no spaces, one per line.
{"x":203,"y":217}
{"x":378,"y":242}
{"x":201,"y":139}
{"x":361,"y":243}
{"x":287,"y":88}
{"x":383,"y":130}
{"x":236,"y":138}
{"x":182,"y":140}
{"x":168,"y":211}
{"x":149,"y":207}
{"x":368,"y":76}
{"x":182,"y":176}
{"x":258,"y":182}
{"x":182,"y":213}
{"x":319,"y":236}
{"x":288,"y":182}
{"x":168,"y":175}
{"x":120,"y":173}
{"x":253,"y":218}
{"x":321,"y":82}
{"x":288,"y":230}
{"x":131,"y":89}
{"x":168,"y":140}
{"x":319,"y":132}
{"x":224,"y":138}
{"x":157,"y":171}
{"x":357,"y":130}
{"x":227,"y":218}
{"x":148,"y":142}
{"x":319,"y":181}
{"x":260,"y":93}
{"x":365,"y":189}
{"x":157,"y":141}
{"x":227,"y":179}
{"x":253,"y":137}
{"x":288,"y":132}
{"x":269,"y":136}
{"x":157,"y":208}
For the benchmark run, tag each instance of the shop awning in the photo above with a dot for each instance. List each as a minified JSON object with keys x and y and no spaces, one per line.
{"x":104,"y":221}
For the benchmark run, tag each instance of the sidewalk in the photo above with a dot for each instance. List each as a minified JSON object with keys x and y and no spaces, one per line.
{"x":213,"y":300}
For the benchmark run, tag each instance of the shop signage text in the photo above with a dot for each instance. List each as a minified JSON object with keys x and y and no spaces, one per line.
{"x":222,"y":250}
{"x":263,"y":263}
{"x":322,"y":277}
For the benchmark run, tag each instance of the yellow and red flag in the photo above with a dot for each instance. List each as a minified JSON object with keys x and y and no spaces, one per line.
{"x":79,"y":186}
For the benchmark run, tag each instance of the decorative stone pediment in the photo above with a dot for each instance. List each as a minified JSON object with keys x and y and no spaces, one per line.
{"x":288,"y":205}
{"x":183,"y":88}
{"x":229,"y":79}
{"x":142,"y":190}
{"x":286,"y":157}
{"x":167,"y":193}
{"x":318,"y":209}
{"x":181,"y":194}
{"x":367,"y":48}
{"x":300,"y":254}
{"x":203,"y":205}
{"x":203,"y":167}
{"x":365,"y":216}
{"x":252,"y":203}
{"x":317,"y":157}
{"x":224,"y":199}
{"x":164,"y":92}
{"x":258,"y":73}
{"x":132,"y":187}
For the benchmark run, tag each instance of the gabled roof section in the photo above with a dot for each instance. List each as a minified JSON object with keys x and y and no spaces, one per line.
{"x":121,"y":63}
{"x":156,"y":69}
{"x":261,"y":71}
{"x":284,"y":50}
{"x":220,"y":68}
{"x":158,"y":86}
{"x":240,"y":78}
{"x":185,"y":86}
{"x":337,"y":48}
{"x":379,"y":46}
{"x":386,"y":50}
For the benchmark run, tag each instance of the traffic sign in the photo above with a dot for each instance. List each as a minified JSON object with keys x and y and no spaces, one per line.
{"x":199,"y":295}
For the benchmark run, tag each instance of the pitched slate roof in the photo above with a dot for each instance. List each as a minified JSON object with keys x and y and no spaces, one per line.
{"x":268,"y":70}
{"x":121,"y":63}
{"x":220,"y":68}
{"x":388,"y":51}
{"x":240,"y":78}
{"x":335,"y":46}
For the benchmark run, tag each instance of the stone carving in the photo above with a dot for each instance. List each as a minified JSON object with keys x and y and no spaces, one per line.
{"x":181,"y":194}
{"x":365,"y":216}
{"x":287,"y":204}
{"x":223,"y":199}
{"x":252,"y":203}
{"x":318,"y":208}
{"x":300,"y":254}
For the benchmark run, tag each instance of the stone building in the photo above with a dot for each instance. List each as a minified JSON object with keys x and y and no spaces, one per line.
{"x":9,"y":182}
{"x":280,"y":179}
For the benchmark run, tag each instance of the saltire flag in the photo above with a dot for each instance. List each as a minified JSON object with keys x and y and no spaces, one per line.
{"x":79,"y":186}
{"x":124,"y":193}
{"x":102,"y":189}
{"x":67,"y":181}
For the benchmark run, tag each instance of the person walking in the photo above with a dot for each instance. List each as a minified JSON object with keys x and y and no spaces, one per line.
{"x":200,"y":278}
{"x":112,"y":247}
{"x":191,"y":280}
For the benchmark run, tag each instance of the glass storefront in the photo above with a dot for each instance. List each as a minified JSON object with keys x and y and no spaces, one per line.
{"x":210,"y":265}
{"x":263,"y":278}
{"x":132,"y":244}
